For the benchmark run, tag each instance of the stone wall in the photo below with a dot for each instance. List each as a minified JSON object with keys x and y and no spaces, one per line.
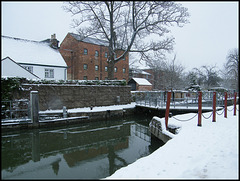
{"x":75,"y":96}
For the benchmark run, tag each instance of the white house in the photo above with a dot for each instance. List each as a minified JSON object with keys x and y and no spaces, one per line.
{"x":10,"y":68}
{"x":41,"y":58}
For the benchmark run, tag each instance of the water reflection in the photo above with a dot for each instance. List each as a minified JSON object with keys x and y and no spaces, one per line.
{"x":94,"y":150}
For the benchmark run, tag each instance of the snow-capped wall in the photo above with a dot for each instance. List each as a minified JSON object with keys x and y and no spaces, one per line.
{"x":52,"y":96}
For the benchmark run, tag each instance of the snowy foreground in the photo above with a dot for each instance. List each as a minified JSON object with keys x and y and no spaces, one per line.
{"x":209,"y":151}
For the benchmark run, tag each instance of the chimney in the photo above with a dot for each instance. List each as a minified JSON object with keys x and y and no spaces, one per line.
{"x":54,"y":41}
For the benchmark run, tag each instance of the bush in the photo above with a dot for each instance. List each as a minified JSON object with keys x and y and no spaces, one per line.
{"x":9,"y":85}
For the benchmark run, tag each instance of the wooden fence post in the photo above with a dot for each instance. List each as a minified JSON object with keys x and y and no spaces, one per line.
{"x":167,"y":109}
{"x":225,"y":105}
{"x":199,"y":108}
{"x":34,"y":103}
{"x":235,"y":103}
{"x":214,"y":107}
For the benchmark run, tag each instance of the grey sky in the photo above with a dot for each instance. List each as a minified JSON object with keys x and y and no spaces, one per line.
{"x":206,"y":40}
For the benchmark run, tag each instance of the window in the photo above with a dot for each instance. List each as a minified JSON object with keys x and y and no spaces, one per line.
{"x":96,"y":67}
{"x":85,"y":51}
{"x":115,"y":69}
{"x":96,"y":78}
{"x":29,"y":68}
{"x":106,"y":69}
{"x":124,"y":70}
{"x":106,"y":54}
{"x":85,"y":66}
{"x":84,"y":77}
{"x":49,"y":73}
{"x":96,"y":53}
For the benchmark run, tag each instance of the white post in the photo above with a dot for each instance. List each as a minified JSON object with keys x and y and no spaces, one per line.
{"x":64,"y":112}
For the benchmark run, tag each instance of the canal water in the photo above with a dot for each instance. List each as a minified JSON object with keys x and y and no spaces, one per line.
{"x":84,"y":151}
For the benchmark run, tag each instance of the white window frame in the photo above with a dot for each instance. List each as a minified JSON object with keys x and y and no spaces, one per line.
{"x":85,"y":66}
{"x":96,"y":67}
{"x":49,"y":73}
{"x":96,"y":53}
{"x":85,"y":51}
{"x":29,"y":68}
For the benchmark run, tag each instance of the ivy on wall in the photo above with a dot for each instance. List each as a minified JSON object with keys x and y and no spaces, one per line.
{"x":8,"y":86}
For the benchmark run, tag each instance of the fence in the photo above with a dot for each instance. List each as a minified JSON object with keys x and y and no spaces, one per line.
{"x":200,"y":98}
{"x":15,"y":110}
{"x":21,"y":111}
{"x":178,"y":98}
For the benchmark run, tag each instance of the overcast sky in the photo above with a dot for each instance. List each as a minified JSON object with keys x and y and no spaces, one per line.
{"x":206,"y":40}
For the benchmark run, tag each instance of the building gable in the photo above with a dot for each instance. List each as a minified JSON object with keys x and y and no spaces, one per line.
{"x":10,"y":68}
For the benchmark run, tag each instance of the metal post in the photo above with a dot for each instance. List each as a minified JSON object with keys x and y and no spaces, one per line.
{"x":214,"y":107}
{"x":225,"y":105}
{"x":199,"y":108}
{"x":34,"y":102}
{"x":167,"y":109}
{"x":235,"y":103}
{"x":64,"y":112}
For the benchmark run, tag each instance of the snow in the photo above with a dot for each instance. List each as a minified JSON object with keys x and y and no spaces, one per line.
{"x":206,"y":152}
{"x":141,"y":81}
{"x":94,"y":109}
{"x":30,"y":52}
{"x":90,"y":40}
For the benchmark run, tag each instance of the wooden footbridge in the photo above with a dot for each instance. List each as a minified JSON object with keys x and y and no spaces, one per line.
{"x":181,"y":101}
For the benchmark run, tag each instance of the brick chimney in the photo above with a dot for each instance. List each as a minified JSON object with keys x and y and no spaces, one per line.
{"x":54,"y":41}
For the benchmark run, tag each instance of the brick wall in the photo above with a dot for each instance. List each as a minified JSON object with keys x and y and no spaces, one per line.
{"x":144,"y":87}
{"x":77,"y":58}
{"x":75,"y":96}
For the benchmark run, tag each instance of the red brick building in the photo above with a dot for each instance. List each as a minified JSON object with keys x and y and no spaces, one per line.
{"x":87,"y":59}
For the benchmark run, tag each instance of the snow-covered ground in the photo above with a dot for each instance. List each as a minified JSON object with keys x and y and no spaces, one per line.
{"x":206,"y":152}
{"x":94,"y":109}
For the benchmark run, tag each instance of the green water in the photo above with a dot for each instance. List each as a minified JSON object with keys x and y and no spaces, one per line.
{"x":85,"y":151}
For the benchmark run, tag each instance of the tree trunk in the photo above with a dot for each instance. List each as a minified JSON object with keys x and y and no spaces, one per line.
{"x":111,"y":70}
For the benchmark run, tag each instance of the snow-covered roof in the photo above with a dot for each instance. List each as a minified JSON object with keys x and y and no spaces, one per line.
{"x":31,"y":52}
{"x":141,"y":81}
{"x":139,"y":71}
{"x":90,"y":40}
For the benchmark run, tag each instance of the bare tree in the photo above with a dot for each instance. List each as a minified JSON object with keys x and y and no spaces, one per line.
{"x":231,"y":69}
{"x":167,"y":74}
{"x":127,"y":24}
{"x":208,"y":76}
{"x":173,"y":74}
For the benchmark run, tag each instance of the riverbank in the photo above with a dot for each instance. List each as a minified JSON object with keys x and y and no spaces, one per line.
{"x":206,"y":152}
